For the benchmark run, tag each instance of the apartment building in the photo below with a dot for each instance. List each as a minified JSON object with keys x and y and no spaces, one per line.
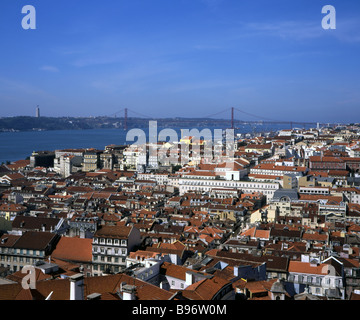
{"x":160,"y":178}
{"x":325,"y":279}
{"x":110,"y":247}
{"x":16,"y":251}
{"x":207,"y":181}
{"x":272,"y":169}
{"x":326,"y":163}
{"x":91,"y":160}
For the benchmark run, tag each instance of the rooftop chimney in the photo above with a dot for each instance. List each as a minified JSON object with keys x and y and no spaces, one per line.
{"x":128,"y":292}
{"x":76,"y":287}
{"x":189,"y":278}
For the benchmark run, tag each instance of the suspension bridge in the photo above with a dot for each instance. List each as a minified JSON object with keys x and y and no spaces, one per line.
{"x":233,"y":118}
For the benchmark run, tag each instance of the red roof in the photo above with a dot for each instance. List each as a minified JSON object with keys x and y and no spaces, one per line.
{"x":73,"y":249}
{"x":306,"y":267}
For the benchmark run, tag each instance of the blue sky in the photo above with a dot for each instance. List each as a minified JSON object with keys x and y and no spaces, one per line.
{"x":181,"y":58}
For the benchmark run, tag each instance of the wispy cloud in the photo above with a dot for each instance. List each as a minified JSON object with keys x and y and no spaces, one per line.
{"x":104,"y":56}
{"x":18,"y":87}
{"x":49,"y":68}
{"x":285,"y":29}
{"x":138,"y":77}
{"x":201,"y":85}
{"x":212,"y":4}
{"x":346,"y":30}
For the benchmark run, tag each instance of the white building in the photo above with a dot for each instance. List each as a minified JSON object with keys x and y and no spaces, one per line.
{"x":207,"y":181}
{"x":324,"y":279}
{"x":110,"y":247}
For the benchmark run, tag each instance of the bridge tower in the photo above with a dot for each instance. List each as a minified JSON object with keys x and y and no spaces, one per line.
{"x":125,"y":119}
{"x":232,"y":118}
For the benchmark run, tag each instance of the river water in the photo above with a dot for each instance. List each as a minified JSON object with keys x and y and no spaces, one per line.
{"x":19,"y":145}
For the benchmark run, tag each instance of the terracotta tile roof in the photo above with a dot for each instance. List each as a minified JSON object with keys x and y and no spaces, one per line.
{"x":174,"y":271}
{"x":271,"y":166}
{"x":272,"y":262}
{"x":111,"y":284}
{"x":263,"y":234}
{"x":35,"y":240}
{"x":14,"y":176}
{"x":8,"y":240}
{"x":305,"y":267}
{"x":180,"y":253}
{"x":73,"y":249}
{"x":18,"y":164}
{"x":324,"y":159}
{"x":108,"y":286}
{"x":121,"y":232}
{"x":205,"y":289}
{"x":141,"y":254}
{"x":259,"y":286}
{"x":176,"y":245}
{"x":35,"y":223}
{"x":315,"y":236}
{"x":39,"y":276}
{"x":316,"y":197}
{"x":10,"y":291}
{"x":12,"y":207}
{"x":256,"y":233}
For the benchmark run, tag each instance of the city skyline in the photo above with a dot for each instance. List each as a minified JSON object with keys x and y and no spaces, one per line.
{"x":181,"y":59}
